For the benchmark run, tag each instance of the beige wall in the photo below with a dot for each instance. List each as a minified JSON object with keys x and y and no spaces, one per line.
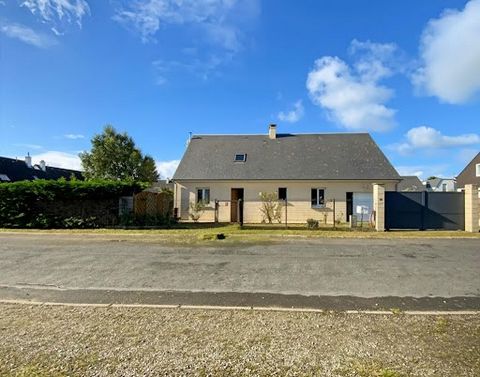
{"x":299,"y":207}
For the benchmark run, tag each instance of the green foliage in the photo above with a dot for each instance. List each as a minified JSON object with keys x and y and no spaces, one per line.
{"x":39,"y":204}
{"x":271,"y":208}
{"x":115,"y":156}
{"x":312,"y":224}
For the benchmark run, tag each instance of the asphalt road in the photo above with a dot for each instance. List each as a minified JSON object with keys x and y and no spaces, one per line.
{"x":330,"y":273}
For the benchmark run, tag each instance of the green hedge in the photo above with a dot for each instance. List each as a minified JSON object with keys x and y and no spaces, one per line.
{"x":61,"y":203}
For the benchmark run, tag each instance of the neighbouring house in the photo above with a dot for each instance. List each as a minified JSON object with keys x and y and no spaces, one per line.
{"x":311,"y":173}
{"x":12,"y":170}
{"x":470,"y":174}
{"x":410,"y":183}
{"x":440,"y":184}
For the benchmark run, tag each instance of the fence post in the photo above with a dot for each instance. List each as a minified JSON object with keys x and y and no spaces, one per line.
{"x":471,"y":208}
{"x":379,"y":206}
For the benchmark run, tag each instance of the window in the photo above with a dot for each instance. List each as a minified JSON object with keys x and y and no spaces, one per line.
{"x":318,"y":197}
{"x":240,"y":157}
{"x":477,"y":170}
{"x":444,"y":187}
{"x":203,"y":195}
{"x":282,"y":193}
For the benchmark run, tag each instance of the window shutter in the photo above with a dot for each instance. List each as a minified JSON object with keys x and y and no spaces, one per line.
{"x":314,"y":197}
{"x":207,"y":195}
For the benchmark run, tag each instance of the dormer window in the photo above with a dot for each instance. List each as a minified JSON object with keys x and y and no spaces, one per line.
{"x":239,"y":157}
{"x":477,"y":170}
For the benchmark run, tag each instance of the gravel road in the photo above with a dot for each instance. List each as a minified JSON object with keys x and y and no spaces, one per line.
{"x":85,"y":341}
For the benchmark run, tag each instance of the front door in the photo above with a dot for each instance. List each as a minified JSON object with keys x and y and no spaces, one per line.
{"x":236,"y":208}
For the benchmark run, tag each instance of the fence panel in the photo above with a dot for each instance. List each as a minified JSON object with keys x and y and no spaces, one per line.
{"x":425,"y":210}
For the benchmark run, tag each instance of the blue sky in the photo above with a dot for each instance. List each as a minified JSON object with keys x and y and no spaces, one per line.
{"x":406,"y":71}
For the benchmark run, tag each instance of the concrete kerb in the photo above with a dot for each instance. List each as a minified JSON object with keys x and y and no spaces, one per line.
{"x":243,"y":308}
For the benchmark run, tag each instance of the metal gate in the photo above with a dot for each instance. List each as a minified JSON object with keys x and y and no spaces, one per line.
{"x":425,"y":210}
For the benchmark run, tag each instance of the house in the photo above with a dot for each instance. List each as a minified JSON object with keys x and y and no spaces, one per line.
{"x":12,"y":170}
{"x":440,"y":184}
{"x":311,"y":174}
{"x":410,"y":183}
{"x":470,"y":174}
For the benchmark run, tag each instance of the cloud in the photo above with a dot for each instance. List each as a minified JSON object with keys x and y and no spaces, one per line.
{"x":166,"y":169}
{"x":54,"y":11}
{"x":215,"y":18}
{"x":450,"y":55}
{"x":294,"y":115}
{"x":210,"y":33}
{"x":429,"y":138}
{"x":74,"y":136}
{"x":27,"y":35}
{"x":59,"y":159}
{"x":425,"y":171}
{"x":352,"y":96}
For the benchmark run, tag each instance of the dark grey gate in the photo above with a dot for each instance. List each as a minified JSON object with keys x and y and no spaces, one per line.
{"x":425,"y":210}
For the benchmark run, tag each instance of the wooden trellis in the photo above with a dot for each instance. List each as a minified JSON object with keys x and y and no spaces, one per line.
{"x":152,"y":204}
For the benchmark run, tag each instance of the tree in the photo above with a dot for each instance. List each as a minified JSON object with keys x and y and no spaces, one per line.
{"x":115,"y":156}
{"x":271,"y":208}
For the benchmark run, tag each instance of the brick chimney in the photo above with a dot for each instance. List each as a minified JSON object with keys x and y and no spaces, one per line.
{"x":272,"y":131}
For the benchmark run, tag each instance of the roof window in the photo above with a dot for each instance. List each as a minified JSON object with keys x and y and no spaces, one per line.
{"x":239,"y":157}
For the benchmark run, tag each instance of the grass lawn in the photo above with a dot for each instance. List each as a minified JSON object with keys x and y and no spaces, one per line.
{"x":195,"y":233}
{"x":58,"y":341}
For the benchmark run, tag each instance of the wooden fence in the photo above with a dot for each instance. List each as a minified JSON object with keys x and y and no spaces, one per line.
{"x":153,"y":204}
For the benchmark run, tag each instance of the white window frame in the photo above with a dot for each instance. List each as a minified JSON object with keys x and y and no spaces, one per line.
{"x":477,"y":170}
{"x":318,"y":205}
{"x":203,"y":190}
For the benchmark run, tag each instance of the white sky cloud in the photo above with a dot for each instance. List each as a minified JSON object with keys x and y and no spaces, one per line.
{"x":294,"y":115}
{"x":425,"y":171}
{"x":425,"y":138}
{"x":353,"y":97}
{"x":166,"y":169}
{"x":450,"y":54}
{"x":58,"y":159}
{"x":27,"y":35}
{"x":52,"y":11}
{"x":74,"y":136}
{"x":216,"y":18}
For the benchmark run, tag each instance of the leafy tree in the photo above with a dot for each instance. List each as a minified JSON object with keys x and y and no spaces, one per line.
{"x":115,"y":156}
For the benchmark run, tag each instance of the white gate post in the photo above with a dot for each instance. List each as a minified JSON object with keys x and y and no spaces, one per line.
{"x":379,"y":206}
{"x":471,"y":209}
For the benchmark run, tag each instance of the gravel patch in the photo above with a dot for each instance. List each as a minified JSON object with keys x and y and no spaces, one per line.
{"x":92,"y":341}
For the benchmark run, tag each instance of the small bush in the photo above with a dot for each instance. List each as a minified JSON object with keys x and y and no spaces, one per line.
{"x":312,"y":224}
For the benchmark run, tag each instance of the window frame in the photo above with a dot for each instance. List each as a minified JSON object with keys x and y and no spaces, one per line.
{"x":282,"y":197}
{"x":318,"y":204}
{"x":244,"y":159}
{"x":203,"y":190}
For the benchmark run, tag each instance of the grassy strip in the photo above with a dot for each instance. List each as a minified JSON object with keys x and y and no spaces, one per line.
{"x":207,"y":232}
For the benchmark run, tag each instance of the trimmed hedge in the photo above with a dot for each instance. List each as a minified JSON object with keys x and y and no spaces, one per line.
{"x":62,"y":203}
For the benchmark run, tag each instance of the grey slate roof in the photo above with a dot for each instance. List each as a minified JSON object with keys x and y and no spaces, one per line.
{"x":17,"y":170}
{"x":288,"y":157}
{"x":411,"y":183}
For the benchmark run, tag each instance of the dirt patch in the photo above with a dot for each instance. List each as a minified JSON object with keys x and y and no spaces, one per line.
{"x":87,"y":341}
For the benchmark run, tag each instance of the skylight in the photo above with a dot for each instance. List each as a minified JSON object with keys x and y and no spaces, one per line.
{"x":240,"y":157}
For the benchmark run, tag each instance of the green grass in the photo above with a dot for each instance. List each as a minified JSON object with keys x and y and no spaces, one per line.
{"x":207,"y":232}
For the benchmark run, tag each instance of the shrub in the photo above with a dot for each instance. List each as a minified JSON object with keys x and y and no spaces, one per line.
{"x":312,"y":224}
{"x":196,"y":210}
{"x":271,"y":208}
{"x":61,"y":203}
